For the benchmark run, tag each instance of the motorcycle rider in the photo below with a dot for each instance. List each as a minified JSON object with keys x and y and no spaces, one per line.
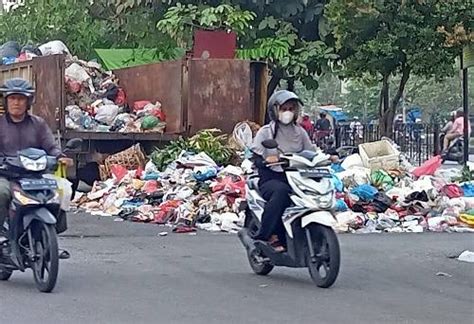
{"x":20,"y":130}
{"x":283,"y":107}
{"x":457,"y":130}
{"x":449,"y":125}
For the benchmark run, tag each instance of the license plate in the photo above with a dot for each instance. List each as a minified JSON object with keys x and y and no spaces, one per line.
{"x":316,"y":173}
{"x":38,"y":184}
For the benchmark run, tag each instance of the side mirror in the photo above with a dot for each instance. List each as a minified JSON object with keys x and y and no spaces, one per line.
{"x":74,"y":144}
{"x":270,"y":144}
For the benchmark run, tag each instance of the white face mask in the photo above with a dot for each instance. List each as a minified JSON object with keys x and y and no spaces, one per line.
{"x":286,"y":117}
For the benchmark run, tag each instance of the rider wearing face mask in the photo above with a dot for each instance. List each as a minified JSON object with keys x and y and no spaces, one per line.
{"x":283,"y":109}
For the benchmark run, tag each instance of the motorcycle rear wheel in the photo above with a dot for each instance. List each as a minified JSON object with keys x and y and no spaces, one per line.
{"x":328,"y":256}
{"x":46,"y":266}
{"x":5,"y":275}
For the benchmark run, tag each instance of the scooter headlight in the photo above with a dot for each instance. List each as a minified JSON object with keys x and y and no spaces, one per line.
{"x":24,"y":200}
{"x":34,"y":165}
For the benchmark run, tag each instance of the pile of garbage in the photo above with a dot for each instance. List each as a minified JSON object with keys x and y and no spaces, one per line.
{"x":183,"y":186}
{"x":400,"y":200}
{"x":12,"y":52}
{"x":95,"y":100}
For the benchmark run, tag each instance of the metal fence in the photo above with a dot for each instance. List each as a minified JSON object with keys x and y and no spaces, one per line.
{"x":418,"y":142}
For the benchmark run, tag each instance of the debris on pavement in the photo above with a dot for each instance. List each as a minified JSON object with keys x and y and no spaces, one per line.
{"x":466,"y":256}
{"x":443,"y":274}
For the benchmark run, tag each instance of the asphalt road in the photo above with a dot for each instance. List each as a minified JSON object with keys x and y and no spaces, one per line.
{"x":126,"y":273}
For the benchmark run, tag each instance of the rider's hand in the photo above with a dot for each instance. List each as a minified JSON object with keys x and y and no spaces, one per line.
{"x":66,"y":161}
{"x":272,"y":159}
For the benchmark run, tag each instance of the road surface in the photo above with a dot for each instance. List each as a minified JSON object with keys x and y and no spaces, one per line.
{"x":126,"y":273}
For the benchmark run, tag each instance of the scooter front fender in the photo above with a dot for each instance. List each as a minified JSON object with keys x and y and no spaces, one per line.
{"x":320,"y":217}
{"x":41,"y":214}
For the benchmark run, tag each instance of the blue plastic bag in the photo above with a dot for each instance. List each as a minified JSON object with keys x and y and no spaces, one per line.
{"x":365,"y":192}
{"x":336,"y":167}
{"x":337,"y":183}
{"x":468,"y":189}
{"x":341,"y":206}
{"x":202,"y":176}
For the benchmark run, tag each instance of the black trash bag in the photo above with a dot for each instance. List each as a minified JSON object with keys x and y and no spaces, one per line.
{"x":10,"y":49}
{"x":382,"y":202}
{"x":417,"y":196}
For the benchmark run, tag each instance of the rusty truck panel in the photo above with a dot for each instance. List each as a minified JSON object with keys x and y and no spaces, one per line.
{"x":157,"y":82}
{"x":221,"y":93}
{"x":46,"y":74}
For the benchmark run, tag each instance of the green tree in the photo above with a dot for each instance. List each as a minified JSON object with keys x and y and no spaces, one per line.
{"x":39,"y":21}
{"x":388,"y":37}
{"x":287,"y":34}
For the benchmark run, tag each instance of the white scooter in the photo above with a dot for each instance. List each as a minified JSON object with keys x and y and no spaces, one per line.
{"x":311,"y":241}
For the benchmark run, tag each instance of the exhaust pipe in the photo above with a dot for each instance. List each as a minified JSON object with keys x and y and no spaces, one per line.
{"x":246,"y":240}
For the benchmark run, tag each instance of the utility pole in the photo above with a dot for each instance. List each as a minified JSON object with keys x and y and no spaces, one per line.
{"x":465,"y":93}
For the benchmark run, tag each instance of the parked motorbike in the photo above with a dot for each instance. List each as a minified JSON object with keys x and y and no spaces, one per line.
{"x":311,"y":241}
{"x":30,"y":225}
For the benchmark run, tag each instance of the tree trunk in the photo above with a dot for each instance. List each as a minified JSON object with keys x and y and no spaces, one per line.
{"x":384,"y":106}
{"x":277,"y":75}
{"x":291,"y":85}
{"x":390,"y":107}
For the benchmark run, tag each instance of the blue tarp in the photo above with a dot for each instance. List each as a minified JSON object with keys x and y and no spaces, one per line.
{"x":339,"y":116}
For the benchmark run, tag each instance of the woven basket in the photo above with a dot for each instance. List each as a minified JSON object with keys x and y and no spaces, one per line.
{"x":131,"y":159}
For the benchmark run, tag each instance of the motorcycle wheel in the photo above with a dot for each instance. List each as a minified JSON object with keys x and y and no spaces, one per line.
{"x":5,"y":275}
{"x":46,"y":265}
{"x":325,"y":270}
{"x":259,"y":267}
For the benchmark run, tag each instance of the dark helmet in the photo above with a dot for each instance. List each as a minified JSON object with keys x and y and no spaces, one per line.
{"x":18,"y":86}
{"x":279,"y":98}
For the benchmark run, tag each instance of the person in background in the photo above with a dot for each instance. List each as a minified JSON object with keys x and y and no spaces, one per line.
{"x":323,"y":123}
{"x":357,"y":130}
{"x":449,"y":125}
{"x":457,"y":130}
{"x":307,"y":125}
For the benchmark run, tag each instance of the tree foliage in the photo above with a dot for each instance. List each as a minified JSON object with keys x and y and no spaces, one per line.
{"x":39,"y":21}
{"x":389,"y":37}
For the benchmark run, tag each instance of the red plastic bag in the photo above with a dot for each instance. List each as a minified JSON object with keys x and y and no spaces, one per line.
{"x":158,"y":113}
{"x":119,"y":172}
{"x":429,"y":167}
{"x":139,"y":105}
{"x":231,"y":186}
{"x":166,"y":211}
{"x":121,"y":98}
{"x":150,"y":187}
{"x":453,"y":191}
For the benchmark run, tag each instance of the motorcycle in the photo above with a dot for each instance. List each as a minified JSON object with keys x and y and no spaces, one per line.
{"x":311,"y":241}
{"x":30,"y":225}
{"x":455,"y":151}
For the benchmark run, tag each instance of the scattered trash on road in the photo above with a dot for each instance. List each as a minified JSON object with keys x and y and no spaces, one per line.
{"x":466,"y":256}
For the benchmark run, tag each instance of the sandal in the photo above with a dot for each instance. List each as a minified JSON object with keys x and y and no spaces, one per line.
{"x":276,"y":245}
{"x":64,"y":255}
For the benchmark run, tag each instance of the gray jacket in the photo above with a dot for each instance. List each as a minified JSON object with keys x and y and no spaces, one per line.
{"x":32,"y":132}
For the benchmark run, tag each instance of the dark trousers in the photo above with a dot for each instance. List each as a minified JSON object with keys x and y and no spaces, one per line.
{"x":277,"y":195}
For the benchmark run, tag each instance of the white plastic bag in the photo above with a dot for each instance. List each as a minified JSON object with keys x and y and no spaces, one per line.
{"x":54,"y":47}
{"x":77,"y":73}
{"x":64,"y":190}
{"x":106,"y":114}
{"x":352,"y":161}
